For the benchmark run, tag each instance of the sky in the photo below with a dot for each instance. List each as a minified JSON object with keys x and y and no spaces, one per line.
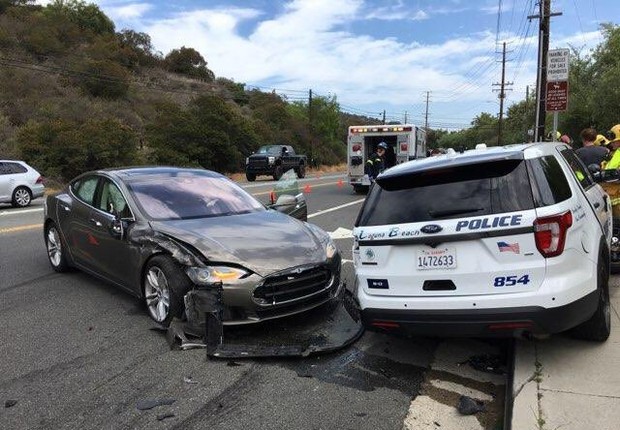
{"x":372,"y":55}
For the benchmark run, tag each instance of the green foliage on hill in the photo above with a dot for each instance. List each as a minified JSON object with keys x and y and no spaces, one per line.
{"x":77,"y":95}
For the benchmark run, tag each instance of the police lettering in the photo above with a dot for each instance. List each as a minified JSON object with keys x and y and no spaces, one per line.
{"x":483,"y":223}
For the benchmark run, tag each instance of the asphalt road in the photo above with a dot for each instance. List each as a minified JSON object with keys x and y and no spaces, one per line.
{"x":78,"y":353}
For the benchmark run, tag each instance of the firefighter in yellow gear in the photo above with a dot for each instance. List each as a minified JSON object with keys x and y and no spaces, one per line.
{"x":612,"y":187}
{"x":614,"y":143}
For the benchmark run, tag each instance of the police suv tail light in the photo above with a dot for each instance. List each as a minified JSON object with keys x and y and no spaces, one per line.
{"x":550,"y":233}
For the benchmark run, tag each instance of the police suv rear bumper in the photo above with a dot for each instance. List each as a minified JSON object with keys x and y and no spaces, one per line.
{"x":497,"y":322}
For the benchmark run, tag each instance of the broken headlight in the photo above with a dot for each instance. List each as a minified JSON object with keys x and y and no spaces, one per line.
{"x":214,"y":274}
{"x":330,"y":249}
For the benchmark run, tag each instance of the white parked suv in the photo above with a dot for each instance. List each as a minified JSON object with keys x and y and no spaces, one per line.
{"x":19,"y":183}
{"x":500,"y":241}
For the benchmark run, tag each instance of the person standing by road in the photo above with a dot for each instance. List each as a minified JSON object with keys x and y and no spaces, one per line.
{"x":590,"y":153}
{"x":376,"y":161}
{"x":613,"y":145}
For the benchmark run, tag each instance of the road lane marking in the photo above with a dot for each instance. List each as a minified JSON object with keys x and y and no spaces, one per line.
{"x":307,"y":179}
{"x":335,"y":208}
{"x":20,"y":228}
{"x":22,"y":211}
{"x":262,"y":193}
{"x":341,"y":233}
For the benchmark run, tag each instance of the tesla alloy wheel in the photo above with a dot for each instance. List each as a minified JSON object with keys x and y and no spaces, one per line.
{"x":55,"y":249}
{"x":164,"y":287}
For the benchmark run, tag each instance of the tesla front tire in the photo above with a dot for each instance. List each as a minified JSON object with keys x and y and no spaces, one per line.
{"x":21,"y":197}
{"x":165,"y":285}
{"x":55,"y":249}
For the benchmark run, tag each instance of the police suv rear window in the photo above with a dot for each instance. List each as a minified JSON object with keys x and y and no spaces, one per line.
{"x":549,"y":183}
{"x":453,"y":192}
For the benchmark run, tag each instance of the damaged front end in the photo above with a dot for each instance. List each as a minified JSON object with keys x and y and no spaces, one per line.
{"x":330,"y":327}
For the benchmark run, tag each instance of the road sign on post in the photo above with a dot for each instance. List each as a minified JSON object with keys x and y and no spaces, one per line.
{"x":557,"y":65}
{"x":557,"y":96}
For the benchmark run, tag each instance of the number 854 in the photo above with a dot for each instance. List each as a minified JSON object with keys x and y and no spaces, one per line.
{"x":509,"y":281}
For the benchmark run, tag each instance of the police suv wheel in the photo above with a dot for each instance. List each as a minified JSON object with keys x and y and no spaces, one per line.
{"x":598,"y":327}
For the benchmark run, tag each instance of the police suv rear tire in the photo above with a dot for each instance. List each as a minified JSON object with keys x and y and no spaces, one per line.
{"x":598,"y":327}
{"x":251,"y":177}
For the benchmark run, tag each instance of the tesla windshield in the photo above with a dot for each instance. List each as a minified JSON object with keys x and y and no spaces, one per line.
{"x":190,"y":195}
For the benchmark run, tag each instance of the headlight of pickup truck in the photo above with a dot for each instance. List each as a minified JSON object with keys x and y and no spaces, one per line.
{"x":214,"y":274}
{"x":272,"y":160}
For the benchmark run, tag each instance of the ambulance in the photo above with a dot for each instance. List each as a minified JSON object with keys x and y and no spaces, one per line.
{"x":405,"y":142}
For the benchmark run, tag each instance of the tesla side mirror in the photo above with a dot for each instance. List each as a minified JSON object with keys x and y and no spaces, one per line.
{"x":117,"y":228}
{"x":294,"y":206}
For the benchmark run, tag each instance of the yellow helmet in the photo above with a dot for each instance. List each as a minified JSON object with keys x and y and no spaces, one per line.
{"x":550,"y":136}
{"x":601,"y":140}
{"x":614,"y":134}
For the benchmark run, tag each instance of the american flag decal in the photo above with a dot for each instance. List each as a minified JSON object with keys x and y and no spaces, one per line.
{"x":508,"y":247}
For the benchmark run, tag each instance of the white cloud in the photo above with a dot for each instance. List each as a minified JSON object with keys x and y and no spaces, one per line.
{"x":128,"y":12}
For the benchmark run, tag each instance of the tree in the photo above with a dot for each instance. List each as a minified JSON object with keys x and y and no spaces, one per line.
{"x":64,"y":149}
{"x":189,"y":62}
{"x":5,"y":4}
{"x":209,"y":133}
{"x":87,"y":16}
{"x":137,"y":47}
{"x":103,"y":78}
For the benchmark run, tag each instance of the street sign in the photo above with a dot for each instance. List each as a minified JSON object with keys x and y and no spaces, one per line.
{"x":557,"y":96}
{"x":557,"y":65}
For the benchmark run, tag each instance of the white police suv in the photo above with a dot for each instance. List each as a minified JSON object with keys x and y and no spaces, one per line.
{"x":501,"y":241}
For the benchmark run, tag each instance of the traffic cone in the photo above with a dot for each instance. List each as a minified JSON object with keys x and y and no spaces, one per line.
{"x":307,"y":189}
{"x":340,"y":183}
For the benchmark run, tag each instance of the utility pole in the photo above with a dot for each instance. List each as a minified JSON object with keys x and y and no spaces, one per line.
{"x":383,"y":120}
{"x":426,"y":114}
{"x":527,"y":107}
{"x":502,"y":95}
{"x":405,"y":117}
{"x":541,"y":80}
{"x":310,"y":131}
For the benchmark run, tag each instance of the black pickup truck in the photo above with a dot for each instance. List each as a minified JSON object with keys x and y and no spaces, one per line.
{"x":274,"y":160}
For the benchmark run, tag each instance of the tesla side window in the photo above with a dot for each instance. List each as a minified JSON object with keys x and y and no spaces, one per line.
{"x":112,"y":200}
{"x":84,"y":189}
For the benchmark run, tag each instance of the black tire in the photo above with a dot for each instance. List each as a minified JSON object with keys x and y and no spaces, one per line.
{"x":56,"y":249}
{"x":251,"y":177}
{"x":277,"y":173}
{"x":614,"y":266}
{"x":598,"y":327}
{"x":360,"y":189}
{"x":163,"y":277}
{"x":301,"y":171}
{"x":22,"y":197}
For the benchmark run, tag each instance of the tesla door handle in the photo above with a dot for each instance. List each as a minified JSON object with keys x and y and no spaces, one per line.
{"x":94,"y":221}
{"x":605,"y":203}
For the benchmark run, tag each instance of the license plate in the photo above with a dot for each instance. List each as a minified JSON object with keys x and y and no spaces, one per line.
{"x":436,"y":258}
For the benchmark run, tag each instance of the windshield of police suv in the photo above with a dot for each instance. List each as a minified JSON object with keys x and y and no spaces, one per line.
{"x":453,"y":192}
{"x":184,"y":195}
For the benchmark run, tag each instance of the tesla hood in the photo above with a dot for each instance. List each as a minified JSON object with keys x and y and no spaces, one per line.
{"x":264,"y":242}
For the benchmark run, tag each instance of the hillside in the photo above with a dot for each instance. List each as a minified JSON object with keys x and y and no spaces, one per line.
{"x":77,"y":94}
